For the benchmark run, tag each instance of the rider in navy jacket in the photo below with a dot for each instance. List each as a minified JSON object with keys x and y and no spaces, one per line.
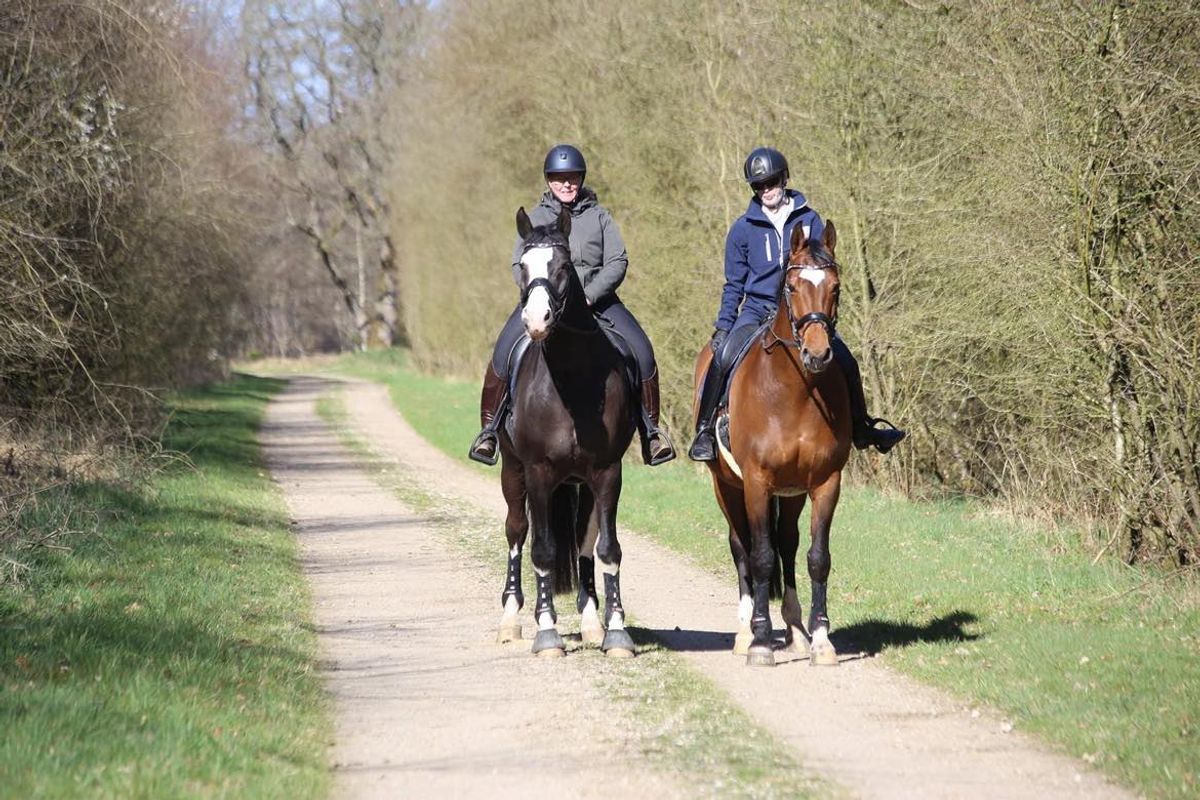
{"x":756,"y":252}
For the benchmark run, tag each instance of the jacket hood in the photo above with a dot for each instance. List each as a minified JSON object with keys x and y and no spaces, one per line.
{"x":755,"y":212}
{"x":585,"y":200}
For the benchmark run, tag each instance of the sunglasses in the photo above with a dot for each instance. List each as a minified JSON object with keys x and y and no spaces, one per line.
{"x":768,"y":184}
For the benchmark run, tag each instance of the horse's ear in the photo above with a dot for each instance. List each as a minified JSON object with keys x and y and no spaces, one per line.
{"x":524,"y":226}
{"x":564,"y":222}
{"x":797,"y":238}
{"x":830,"y":236}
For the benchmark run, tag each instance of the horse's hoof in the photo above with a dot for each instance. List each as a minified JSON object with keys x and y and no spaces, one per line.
{"x":509,"y":633}
{"x":741,"y":644}
{"x":592,"y":635}
{"x":823,"y":657}
{"x":760,"y":657}
{"x":618,"y":644}
{"x":549,"y":643}
{"x":797,"y":643}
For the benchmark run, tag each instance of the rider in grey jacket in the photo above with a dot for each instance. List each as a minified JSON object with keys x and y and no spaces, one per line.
{"x":599,"y":257}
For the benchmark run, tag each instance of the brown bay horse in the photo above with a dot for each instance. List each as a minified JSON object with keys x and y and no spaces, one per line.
{"x":789,"y":438}
{"x":572,"y":420}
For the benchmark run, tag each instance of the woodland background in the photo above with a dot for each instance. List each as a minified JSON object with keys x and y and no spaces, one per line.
{"x":1015,"y":186}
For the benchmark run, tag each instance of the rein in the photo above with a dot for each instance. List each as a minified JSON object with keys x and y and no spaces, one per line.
{"x":798,"y":324}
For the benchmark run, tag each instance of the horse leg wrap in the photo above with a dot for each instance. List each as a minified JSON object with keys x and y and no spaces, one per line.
{"x":512,"y":584}
{"x":545,"y":598}
{"x":817,"y":618}
{"x":760,"y":621}
{"x":612,"y":598}
{"x":587,"y":584}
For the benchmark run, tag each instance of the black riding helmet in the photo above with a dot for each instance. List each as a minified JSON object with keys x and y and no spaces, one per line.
{"x":763,"y":164}
{"x":564,"y":158}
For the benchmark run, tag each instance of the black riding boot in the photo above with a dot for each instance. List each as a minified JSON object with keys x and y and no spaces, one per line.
{"x":493,"y":402}
{"x":704,"y":446}
{"x":656,"y":447}
{"x":863,"y":432}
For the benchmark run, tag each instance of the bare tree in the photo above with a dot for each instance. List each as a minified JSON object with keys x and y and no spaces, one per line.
{"x":318,"y":74}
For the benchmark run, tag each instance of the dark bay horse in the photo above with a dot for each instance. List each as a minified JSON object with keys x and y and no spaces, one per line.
{"x":789,"y":438}
{"x":572,"y":420}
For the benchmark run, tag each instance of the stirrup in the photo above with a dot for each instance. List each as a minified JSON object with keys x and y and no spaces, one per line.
{"x":483,"y":457}
{"x":666,"y":453}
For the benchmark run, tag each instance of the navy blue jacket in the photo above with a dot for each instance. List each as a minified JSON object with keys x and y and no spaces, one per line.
{"x":755,"y":255}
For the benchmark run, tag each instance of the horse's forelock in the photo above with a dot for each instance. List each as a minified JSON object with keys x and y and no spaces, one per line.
{"x":821,"y":257}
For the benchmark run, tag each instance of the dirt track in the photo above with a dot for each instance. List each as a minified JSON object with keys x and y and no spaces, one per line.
{"x":414,"y":671}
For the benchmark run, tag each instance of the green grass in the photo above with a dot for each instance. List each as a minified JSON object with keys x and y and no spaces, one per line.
{"x":1100,"y":661}
{"x":678,"y":720}
{"x":169,"y":653}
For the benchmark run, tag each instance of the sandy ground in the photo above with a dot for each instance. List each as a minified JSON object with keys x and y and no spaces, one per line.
{"x":418,"y":707}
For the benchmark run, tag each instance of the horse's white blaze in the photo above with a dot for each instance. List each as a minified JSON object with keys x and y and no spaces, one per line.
{"x":814,"y":276}
{"x":545,"y":621}
{"x":536,"y":312}
{"x":745,"y":609}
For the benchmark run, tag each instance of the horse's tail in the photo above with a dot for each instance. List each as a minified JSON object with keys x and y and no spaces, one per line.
{"x":775,"y":592}
{"x":563,"y":507}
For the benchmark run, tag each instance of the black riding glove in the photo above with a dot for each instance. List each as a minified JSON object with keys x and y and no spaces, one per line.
{"x":718,"y":339}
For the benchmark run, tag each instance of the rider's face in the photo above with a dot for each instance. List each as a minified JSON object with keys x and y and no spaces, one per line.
{"x":564,"y":185}
{"x":770,"y":193}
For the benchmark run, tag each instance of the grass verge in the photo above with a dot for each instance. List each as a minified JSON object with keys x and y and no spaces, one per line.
{"x":1098,"y":660}
{"x":677,"y":719}
{"x":168,"y":653}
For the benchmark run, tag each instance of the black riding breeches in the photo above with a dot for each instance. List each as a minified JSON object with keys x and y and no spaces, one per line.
{"x":610,"y":313}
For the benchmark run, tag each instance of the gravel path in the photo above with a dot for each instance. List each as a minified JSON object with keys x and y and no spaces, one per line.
{"x":874,"y":732}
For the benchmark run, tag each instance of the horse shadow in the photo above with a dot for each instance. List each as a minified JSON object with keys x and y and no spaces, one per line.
{"x":868,"y":637}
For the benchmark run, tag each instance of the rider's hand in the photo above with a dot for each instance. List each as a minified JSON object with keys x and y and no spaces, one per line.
{"x":718,"y":338}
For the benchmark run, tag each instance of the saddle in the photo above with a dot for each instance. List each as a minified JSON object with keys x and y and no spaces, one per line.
{"x":724,"y":448}
{"x":632,"y":377}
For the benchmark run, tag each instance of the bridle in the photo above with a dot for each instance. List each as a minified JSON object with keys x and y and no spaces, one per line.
{"x":557,"y":302}
{"x":798,"y":324}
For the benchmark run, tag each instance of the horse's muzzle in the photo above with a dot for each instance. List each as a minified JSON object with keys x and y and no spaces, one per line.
{"x":816,"y":363}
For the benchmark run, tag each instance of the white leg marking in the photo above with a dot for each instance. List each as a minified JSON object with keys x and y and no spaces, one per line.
{"x":545,"y":621}
{"x":514,"y":552}
{"x":745,"y":609}
{"x":511,"y":609}
{"x":820,"y":638}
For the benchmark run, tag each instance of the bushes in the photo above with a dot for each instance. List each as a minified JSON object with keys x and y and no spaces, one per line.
{"x":121,"y":232}
{"x":1016,"y":188}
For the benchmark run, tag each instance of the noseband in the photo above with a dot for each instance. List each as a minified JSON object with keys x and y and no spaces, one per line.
{"x":798,"y":324}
